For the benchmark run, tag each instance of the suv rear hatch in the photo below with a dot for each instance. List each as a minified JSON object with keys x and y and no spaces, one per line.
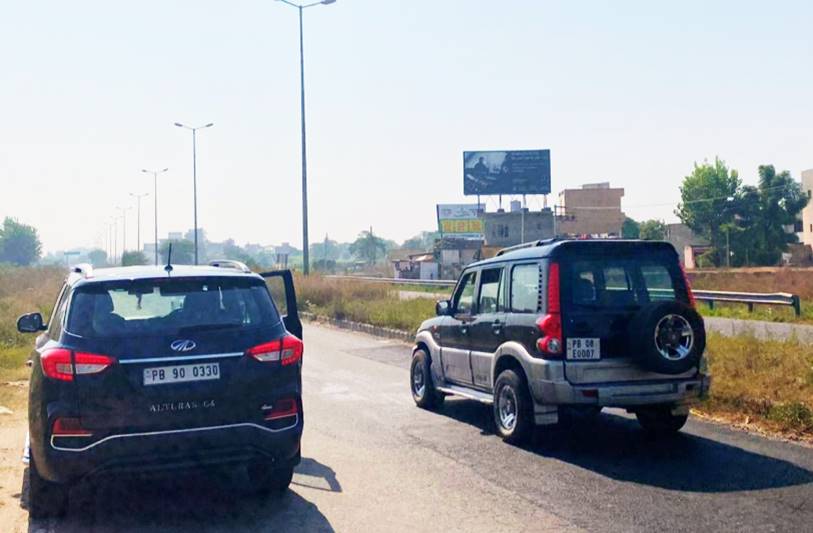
{"x":179,"y":346}
{"x":603,"y":285}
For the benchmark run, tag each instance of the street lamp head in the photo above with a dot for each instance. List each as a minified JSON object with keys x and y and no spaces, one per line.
{"x":209,"y":125}
{"x":145,"y":170}
{"x":179,"y":125}
{"x":328,"y":2}
{"x":164,"y":170}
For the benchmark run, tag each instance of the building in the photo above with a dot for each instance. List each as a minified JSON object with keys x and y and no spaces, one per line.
{"x":683,"y":239}
{"x":595,"y":210}
{"x":806,"y":235}
{"x":412,"y":264}
{"x":519,"y":225}
{"x":456,"y":253}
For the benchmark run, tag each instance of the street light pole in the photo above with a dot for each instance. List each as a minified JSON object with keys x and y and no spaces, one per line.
{"x":155,"y":207}
{"x":305,"y":244}
{"x":138,"y":198}
{"x":195,"y":176}
{"x":123,"y":231}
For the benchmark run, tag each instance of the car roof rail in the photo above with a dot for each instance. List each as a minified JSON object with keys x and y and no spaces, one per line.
{"x":230,"y":263}
{"x":84,"y":269}
{"x":532,"y":244}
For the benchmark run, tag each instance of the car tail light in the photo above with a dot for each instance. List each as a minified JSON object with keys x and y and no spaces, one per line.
{"x":62,"y":364}
{"x":288,"y":350}
{"x":69,"y":427}
{"x":283,"y":408}
{"x":550,"y":325}
{"x":688,"y":284}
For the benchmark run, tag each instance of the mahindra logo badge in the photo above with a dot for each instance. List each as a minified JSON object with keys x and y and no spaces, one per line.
{"x":183,"y":345}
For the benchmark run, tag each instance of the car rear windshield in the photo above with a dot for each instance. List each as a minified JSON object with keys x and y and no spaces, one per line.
{"x":169,"y":306}
{"x":605,"y":282}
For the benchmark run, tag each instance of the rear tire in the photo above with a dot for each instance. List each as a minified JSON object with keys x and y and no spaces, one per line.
{"x":266,"y":479}
{"x":421,"y":384}
{"x":660,"y":421}
{"x":513,"y":409}
{"x":45,"y":498}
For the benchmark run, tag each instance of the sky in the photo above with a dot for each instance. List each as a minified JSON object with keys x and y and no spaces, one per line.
{"x":630,"y":92}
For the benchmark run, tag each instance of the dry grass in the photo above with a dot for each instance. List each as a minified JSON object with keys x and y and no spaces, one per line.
{"x":769,"y":381}
{"x":371,"y":303}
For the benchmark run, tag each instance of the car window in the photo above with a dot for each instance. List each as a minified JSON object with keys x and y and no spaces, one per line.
{"x":525,"y":288}
{"x":464,"y":297}
{"x":600,"y":282}
{"x":658,"y":281}
{"x":168,"y":307}
{"x":489,"y":290}
{"x":55,"y":321}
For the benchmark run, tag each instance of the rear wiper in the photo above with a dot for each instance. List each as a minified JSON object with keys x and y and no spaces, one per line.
{"x":205,"y":327}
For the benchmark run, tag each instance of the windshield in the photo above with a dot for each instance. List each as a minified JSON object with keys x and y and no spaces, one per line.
{"x":169,"y":306}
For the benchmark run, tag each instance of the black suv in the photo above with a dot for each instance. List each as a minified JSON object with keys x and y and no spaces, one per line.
{"x":153,"y":368}
{"x":566,"y":327}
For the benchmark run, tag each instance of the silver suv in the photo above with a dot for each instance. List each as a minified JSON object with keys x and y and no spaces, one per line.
{"x":556,"y":327}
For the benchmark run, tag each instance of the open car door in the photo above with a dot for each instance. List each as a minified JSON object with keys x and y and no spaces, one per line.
{"x":291,"y":316}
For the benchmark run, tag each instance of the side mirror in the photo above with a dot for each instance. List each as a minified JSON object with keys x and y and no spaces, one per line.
{"x":443,"y":308}
{"x":30,"y":323}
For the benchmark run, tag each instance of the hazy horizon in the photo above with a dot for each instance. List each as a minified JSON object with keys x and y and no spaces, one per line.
{"x":630,"y":93}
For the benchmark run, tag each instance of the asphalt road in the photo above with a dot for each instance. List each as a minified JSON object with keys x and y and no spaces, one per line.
{"x":372,"y":461}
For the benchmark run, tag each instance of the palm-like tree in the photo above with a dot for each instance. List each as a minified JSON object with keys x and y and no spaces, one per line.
{"x":367,"y":246}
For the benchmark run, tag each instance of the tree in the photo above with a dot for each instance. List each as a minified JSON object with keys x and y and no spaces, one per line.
{"x":425,"y":240}
{"x":653,"y":230}
{"x":135,"y":257}
{"x":630,"y":229}
{"x":706,"y":204}
{"x":19,"y":243}
{"x":367,"y":246}
{"x":183,"y":252}
{"x":781,"y":199}
{"x":97,"y":257}
{"x":325,"y":251}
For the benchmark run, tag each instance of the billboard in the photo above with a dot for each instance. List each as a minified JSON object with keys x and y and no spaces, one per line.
{"x":506,"y":172}
{"x":460,"y":220}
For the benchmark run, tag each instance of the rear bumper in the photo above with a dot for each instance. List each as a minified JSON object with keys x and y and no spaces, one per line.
{"x":156,"y":451}
{"x":550,"y":386}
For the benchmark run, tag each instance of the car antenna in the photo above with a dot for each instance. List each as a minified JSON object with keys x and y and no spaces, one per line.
{"x":168,"y":268}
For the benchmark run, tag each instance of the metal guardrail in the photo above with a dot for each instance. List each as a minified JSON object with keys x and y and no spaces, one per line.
{"x":401,"y":281}
{"x":750,"y":299}
{"x":710,"y":297}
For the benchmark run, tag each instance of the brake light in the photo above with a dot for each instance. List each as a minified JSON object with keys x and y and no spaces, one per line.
{"x":282,"y":409}
{"x":288,"y":350}
{"x":686,"y":281}
{"x":550,"y":325}
{"x":69,"y":427}
{"x":57,"y":364}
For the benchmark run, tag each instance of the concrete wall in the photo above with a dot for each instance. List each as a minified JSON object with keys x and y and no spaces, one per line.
{"x":506,"y":229}
{"x":681,"y":236}
{"x":807,"y":212}
{"x":591,"y":210}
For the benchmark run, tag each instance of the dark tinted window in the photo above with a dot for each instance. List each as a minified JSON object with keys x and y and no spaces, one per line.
{"x":169,"y":306}
{"x":464,"y":297}
{"x":490,"y":290}
{"x":605,"y":282}
{"x":525,"y":288}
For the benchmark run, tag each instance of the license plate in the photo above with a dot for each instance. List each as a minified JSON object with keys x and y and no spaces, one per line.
{"x":175,"y":374}
{"x":583,"y":349}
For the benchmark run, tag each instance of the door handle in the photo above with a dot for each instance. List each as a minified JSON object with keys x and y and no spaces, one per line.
{"x":464,"y":330}
{"x":496,"y":327}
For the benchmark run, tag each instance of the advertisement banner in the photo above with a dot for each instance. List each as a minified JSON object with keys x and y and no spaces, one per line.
{"x":506,"y":172}
{"x":460,"y":220}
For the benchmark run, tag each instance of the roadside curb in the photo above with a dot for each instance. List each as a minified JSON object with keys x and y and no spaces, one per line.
{"x":370,"y":329}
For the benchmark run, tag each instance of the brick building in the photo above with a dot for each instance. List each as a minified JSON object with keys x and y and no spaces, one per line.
{"x":595,"y":209}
